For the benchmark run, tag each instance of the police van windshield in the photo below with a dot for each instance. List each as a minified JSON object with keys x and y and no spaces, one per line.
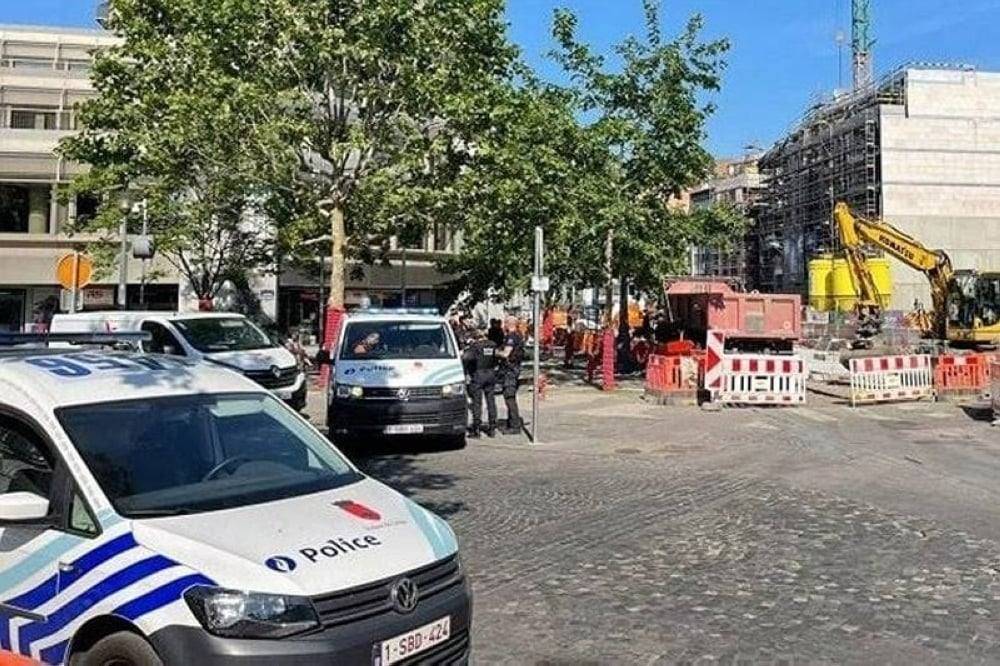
{"x":222,"y":334}
{"x":190,"y":454}
{"x":389,"y":340}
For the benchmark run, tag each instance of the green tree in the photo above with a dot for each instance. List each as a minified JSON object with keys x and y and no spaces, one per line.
{"x":383,"y":79}
{"x":650,"y":117}
{"x":189,"y":119}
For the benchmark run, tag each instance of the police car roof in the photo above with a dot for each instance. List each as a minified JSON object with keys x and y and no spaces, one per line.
{"x":388,"y":315}
{"x":56,"y":378}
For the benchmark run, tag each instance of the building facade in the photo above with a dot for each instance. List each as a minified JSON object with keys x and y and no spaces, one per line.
{"x":920,"y":149}
{"x":44,"y":77}
{"x":737,"y":182}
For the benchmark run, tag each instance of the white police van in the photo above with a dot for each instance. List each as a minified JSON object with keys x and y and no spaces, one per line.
{"x":154,"y":510}
{"x":224,"y":338}
{"x":397,"y":372}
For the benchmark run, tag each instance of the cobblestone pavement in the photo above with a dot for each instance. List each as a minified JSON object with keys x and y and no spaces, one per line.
{"x":648,"y":535}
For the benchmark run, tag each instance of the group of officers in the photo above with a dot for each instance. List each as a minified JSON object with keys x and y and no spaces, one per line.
{"x":493,"y":358}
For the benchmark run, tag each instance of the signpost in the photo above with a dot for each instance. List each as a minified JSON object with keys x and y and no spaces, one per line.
{"x":74,"y":271}
{"x":539,"y":285}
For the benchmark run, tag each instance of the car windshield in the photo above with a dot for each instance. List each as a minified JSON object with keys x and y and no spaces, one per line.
{"x":190,"y":454}
{"x":221,"y":334}
{"x":388,"y":340}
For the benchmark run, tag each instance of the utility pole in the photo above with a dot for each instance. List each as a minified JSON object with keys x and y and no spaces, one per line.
{"x":123,"y":265}
{"x":145,"y":235}
{"x":539,"y":285}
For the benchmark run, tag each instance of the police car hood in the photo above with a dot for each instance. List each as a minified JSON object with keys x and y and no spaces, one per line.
{"x":308,"y":545}
{"x":255,"y":359}
{"x":395,"y":374}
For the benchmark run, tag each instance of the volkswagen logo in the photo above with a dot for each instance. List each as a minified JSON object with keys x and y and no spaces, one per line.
{"x":403,"y":394}
{"x":276,"y":372}
{"x":405,"y":595}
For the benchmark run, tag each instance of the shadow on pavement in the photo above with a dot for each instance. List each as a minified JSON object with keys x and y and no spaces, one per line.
{"x":978,"y":411}
{"x":408,"y":466}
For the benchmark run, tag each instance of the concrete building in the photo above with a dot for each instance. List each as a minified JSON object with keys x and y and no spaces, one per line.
{"x":736,"y":182}
{"x":920,"y":148}
{"x":44,"y":76}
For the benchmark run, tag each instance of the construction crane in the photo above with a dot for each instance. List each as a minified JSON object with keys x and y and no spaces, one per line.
{"x":965,"y":304}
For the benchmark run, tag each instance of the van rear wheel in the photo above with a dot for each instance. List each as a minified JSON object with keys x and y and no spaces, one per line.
{"x":123,"y":648}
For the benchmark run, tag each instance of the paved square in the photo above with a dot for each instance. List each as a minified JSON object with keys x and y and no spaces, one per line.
{"x":644,"y":535}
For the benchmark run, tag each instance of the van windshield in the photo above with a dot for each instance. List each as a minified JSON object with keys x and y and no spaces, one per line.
{"x":191,"y":454}
{"x":221,"y":334}
{"x":389,"y":340}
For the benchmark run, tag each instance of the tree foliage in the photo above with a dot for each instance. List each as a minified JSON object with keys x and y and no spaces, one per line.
{"x":604,"y":155}
{"x":188,"y":118}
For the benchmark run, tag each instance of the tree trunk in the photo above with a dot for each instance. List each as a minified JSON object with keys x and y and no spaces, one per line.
{"x":609,"y":287}
{"x":338,"y":262}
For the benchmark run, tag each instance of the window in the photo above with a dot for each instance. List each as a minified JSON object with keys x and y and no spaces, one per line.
{"x":162,"y":342}
{"x":80,"y":519}
{"x":223,"y":334}
{"x":197,"y":453}
{"x":14,"y":209}
{"x":25,"y":463}
{"x":394,"y":340}
{"x":33,"y":119}
{"x":25,"y":62}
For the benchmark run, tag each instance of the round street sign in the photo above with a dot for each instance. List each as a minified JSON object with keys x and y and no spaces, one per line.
{"x":84,"y":271}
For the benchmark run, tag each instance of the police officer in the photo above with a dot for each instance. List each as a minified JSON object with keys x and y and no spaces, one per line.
{"x":480,"y":360}
{"x":511,"y":356}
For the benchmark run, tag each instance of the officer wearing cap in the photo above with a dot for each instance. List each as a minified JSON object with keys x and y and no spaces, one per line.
{"x":480,"y":360}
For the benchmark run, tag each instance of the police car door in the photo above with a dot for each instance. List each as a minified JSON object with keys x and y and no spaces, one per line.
{"x":42,"y":519}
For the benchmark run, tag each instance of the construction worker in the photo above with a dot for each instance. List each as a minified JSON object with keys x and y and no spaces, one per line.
{"x":480,"y":360}
{"x":511,"y":356}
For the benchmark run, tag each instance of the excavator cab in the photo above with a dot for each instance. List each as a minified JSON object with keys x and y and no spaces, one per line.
{"x":974,"y":307}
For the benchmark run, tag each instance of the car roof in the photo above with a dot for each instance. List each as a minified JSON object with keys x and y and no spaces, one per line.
{"x":394,"y":316}
{"x":53,"y":378}
{"x":139,"y":314}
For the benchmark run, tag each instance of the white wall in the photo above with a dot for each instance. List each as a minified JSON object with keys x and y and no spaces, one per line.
{"x":941,"y":172}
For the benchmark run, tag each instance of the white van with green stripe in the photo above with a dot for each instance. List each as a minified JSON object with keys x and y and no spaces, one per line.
{"x":157,"y":511}
{"x":397,"y":373}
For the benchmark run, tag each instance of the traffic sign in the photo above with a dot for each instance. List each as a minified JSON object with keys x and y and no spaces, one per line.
{"x":84,"y":271}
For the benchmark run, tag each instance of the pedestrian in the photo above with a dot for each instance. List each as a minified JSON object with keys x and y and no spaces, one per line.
{"x":511,"y":356}
{"x":480,"y":361}
{"x":495,"y":332}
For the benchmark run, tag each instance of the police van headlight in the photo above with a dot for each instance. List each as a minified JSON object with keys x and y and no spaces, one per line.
{"x":453,"y":389}
{"x":237,"y":614}
{"x":348,"y":391}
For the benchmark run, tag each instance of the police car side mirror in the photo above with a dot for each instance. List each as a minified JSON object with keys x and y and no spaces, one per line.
{"x":323,"y":357}
{"x":23,"y":509}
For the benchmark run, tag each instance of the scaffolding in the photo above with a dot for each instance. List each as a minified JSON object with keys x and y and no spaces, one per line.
{"x":833,"y":154}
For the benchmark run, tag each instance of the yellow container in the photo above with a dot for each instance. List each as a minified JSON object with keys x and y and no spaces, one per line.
{"x":820,"y":282}
{"x":832,"y":288}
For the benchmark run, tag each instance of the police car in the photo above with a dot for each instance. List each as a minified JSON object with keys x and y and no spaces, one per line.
{"x":398,"y":372}
{"x":154,"y":510}
{"x":224,"y":338}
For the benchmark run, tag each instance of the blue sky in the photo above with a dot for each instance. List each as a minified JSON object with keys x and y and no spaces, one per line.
{"x":784,"y":51}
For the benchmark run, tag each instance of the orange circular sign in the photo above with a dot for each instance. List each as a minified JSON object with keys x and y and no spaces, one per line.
{"x":84,"y":271}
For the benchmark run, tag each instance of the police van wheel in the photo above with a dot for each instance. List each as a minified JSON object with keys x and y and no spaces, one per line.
{"x":119,"y":649}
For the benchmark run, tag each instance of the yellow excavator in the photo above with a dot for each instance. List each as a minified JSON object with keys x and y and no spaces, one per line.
{"x":965,"y":305}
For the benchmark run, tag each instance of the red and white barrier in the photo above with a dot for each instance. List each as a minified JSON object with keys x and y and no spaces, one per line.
{"x":715,"y":351}
{"x":891,"y":378}
{"x":759,"y":379}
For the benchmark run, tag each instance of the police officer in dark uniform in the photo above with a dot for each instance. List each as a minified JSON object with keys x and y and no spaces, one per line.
{"x":480,"y":360}
{"x":511,"y":356}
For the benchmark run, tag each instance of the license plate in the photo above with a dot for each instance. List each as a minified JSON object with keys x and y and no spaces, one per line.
{"x":404,"y":429}
{"x":412,"y":642}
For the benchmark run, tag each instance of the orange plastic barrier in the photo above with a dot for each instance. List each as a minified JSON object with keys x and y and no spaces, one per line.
{"x":663,"y":373}
{"x":961,"y":374}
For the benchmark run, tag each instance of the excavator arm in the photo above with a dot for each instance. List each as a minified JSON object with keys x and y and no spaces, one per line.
{"x":856,"y":232}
